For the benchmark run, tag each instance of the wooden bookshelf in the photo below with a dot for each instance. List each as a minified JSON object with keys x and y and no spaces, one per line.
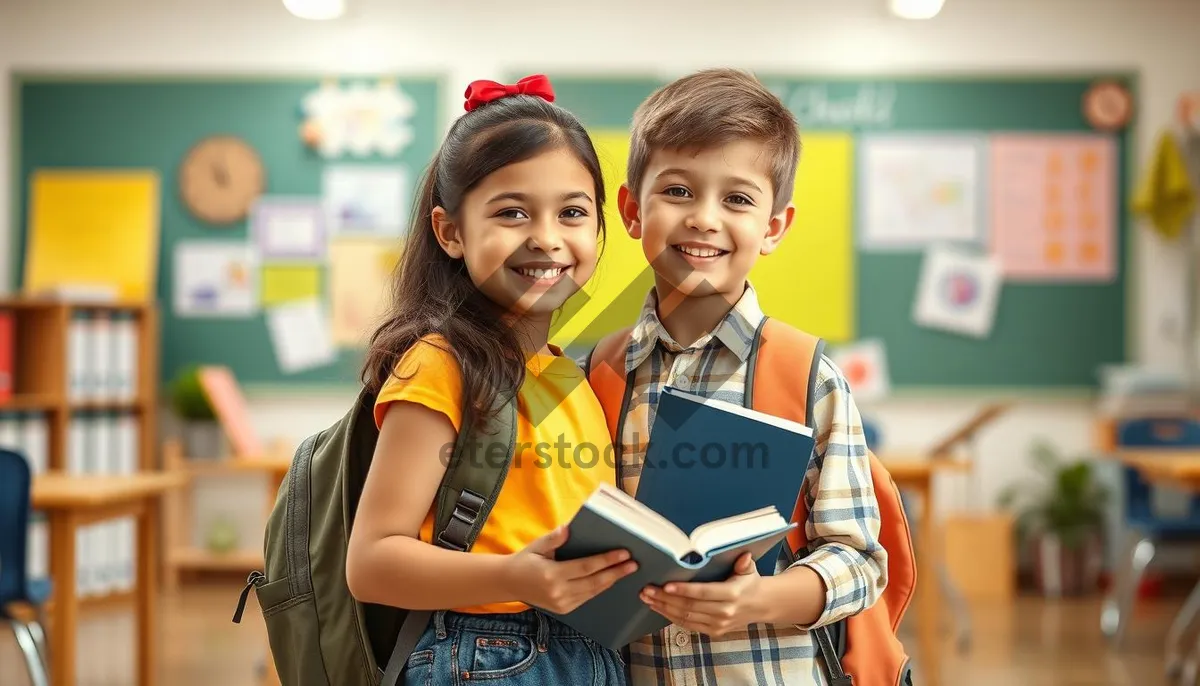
{"x":181,"y":553}
{"x":41,"y":379}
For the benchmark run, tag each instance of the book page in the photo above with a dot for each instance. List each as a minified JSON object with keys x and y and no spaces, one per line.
{"x":724,"y":532}
{"x":623,"y":510}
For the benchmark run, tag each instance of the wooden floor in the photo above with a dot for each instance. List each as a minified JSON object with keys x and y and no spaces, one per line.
{"x":1033,"y":643}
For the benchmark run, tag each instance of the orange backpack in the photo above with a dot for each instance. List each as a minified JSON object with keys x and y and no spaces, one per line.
{"x":863,"y":650}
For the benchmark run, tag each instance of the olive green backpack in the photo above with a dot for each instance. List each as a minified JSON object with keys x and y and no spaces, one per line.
{"x":319,"y":634}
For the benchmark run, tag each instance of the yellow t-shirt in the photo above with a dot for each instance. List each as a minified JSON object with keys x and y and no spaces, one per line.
{"x":563,"y":450}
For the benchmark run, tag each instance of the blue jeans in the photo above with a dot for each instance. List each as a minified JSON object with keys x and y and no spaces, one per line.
{"x":521,"y":649}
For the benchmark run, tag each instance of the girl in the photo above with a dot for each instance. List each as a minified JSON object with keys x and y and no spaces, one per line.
{"x":506,"y":230}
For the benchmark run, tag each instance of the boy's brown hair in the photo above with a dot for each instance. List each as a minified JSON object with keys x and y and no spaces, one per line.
{"x":714,"y":107}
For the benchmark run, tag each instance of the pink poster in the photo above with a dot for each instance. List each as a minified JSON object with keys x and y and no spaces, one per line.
{"x":1053,"y":206}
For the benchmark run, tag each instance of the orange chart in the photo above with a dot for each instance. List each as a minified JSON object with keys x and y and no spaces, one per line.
{"x":1053,"y":207}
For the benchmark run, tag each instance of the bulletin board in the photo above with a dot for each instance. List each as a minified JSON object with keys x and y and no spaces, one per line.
{"x":152,"y":124}
{"x":850,"y":273}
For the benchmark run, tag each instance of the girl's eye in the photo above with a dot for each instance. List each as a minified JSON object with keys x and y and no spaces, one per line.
{"x":677,"y":191}
{"x":573,"y":213}
{"x":512,"y":213}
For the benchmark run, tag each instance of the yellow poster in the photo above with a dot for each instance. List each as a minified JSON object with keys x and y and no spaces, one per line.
{"x":93,"y":228}
{"x":285,"y":283}
{"x":808,"y":282}
{"x":360,"y":271}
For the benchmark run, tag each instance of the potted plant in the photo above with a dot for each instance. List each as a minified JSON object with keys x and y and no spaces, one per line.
{"x":200,"y":430}
{"x":1060,"y":518}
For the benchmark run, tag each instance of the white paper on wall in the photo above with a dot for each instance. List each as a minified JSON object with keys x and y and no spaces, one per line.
{"x":920,"y":190}
{"x":864,"y":364}
{"x":216,"y":279}
{"x":958,"y":292}
{"x":300,"y":334}
{"x":366,"y":200}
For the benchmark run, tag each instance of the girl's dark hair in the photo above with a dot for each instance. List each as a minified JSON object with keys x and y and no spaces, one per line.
{"x":433,"y":293}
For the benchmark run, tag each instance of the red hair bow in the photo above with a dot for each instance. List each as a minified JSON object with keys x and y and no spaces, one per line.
{"x":483,"y":91}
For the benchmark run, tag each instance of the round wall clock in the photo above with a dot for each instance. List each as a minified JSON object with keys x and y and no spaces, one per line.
{"x":1108,"y":106}
{"x":220,"y":179}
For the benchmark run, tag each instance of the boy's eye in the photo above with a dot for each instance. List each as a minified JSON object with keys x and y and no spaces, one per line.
{"x":677,"y":191}
{"x":739,"y":199}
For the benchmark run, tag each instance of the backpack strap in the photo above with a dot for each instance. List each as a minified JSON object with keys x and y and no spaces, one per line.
{"x":793,"y":357}
{"x":605,"y":369}
{"x":468,"y":492}
{"x":786,"y":388}
{"x":474,"y":477}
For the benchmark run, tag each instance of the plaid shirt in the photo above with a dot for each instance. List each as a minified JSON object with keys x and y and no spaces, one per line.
{"x":842,"y":527}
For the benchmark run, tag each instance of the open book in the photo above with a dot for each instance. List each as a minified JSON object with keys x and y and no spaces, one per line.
{"x":689,"y":549}
{"x":611,"y":519}
{"x":709,"y":460}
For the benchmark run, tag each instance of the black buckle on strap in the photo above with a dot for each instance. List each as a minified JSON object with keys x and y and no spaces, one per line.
{"x":462,"y":519}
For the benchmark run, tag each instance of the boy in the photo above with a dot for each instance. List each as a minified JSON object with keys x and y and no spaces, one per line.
{"x":711,"y":169}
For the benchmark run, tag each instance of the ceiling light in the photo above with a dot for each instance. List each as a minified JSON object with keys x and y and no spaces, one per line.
{"x":316,"y":9}
{"x":916,"y":9}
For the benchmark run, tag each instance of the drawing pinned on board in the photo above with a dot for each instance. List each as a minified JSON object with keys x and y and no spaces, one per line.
{"x":367,"y":200}
{"x":215,"y":279}
{"x":361,"y":119}
{"x":864,"y":364}
{"x":958,"y":292}
{"x":359,"y":269}
{"x":918,"y":190}
{"x":287,"y":228}
{"x":300,"y":335}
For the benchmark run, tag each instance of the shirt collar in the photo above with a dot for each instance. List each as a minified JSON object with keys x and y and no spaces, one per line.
{"x":735,"y":331}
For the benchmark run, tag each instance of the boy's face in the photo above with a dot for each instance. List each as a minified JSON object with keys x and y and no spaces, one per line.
{"x":704,"y":217}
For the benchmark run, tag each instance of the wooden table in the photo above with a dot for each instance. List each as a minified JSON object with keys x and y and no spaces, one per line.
{"x":72,"y":501}
{"x":1180,"y":468}
{"x":915,"y":475}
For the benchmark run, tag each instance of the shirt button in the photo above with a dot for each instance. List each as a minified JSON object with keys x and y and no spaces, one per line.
{"x":681,"y":638}
{"x":683,"y":382}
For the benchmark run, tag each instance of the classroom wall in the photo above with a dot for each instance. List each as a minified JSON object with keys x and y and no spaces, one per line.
{"x":1154,"y":37}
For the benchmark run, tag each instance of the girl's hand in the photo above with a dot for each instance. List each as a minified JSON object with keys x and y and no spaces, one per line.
{"x":714,"y":608}
{"x":561,"y":586}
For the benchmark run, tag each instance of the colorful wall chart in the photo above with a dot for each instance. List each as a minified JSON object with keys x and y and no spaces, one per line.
{"x":1053,"y":206}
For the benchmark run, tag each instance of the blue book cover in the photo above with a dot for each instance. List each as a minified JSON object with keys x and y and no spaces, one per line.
{"x":612,"y":519}
{"x":708,"y":459}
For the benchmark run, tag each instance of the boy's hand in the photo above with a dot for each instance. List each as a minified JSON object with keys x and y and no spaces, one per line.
{"x":536,"y":578}
{"x":713,"y":608}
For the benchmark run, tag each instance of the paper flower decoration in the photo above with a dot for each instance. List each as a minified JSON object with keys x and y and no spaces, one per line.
{"x":360,"y":119}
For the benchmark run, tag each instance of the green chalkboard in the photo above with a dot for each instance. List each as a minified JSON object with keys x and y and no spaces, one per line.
{"x":151,"y":122}
{"x":1045,"y":335}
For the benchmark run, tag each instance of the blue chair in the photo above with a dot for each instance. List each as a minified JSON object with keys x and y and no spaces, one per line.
{"x":15,"y":586}
{"x":1146,"y":529}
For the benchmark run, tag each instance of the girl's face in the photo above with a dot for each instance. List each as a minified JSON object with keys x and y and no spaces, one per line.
{"x":527,"y":232}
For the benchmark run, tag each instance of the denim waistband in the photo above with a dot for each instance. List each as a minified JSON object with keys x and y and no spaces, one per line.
{"x":531,"y":623}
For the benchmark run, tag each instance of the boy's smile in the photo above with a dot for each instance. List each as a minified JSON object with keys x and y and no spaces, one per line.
{"x":700,"y":255}
{"x":705,"y":216}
